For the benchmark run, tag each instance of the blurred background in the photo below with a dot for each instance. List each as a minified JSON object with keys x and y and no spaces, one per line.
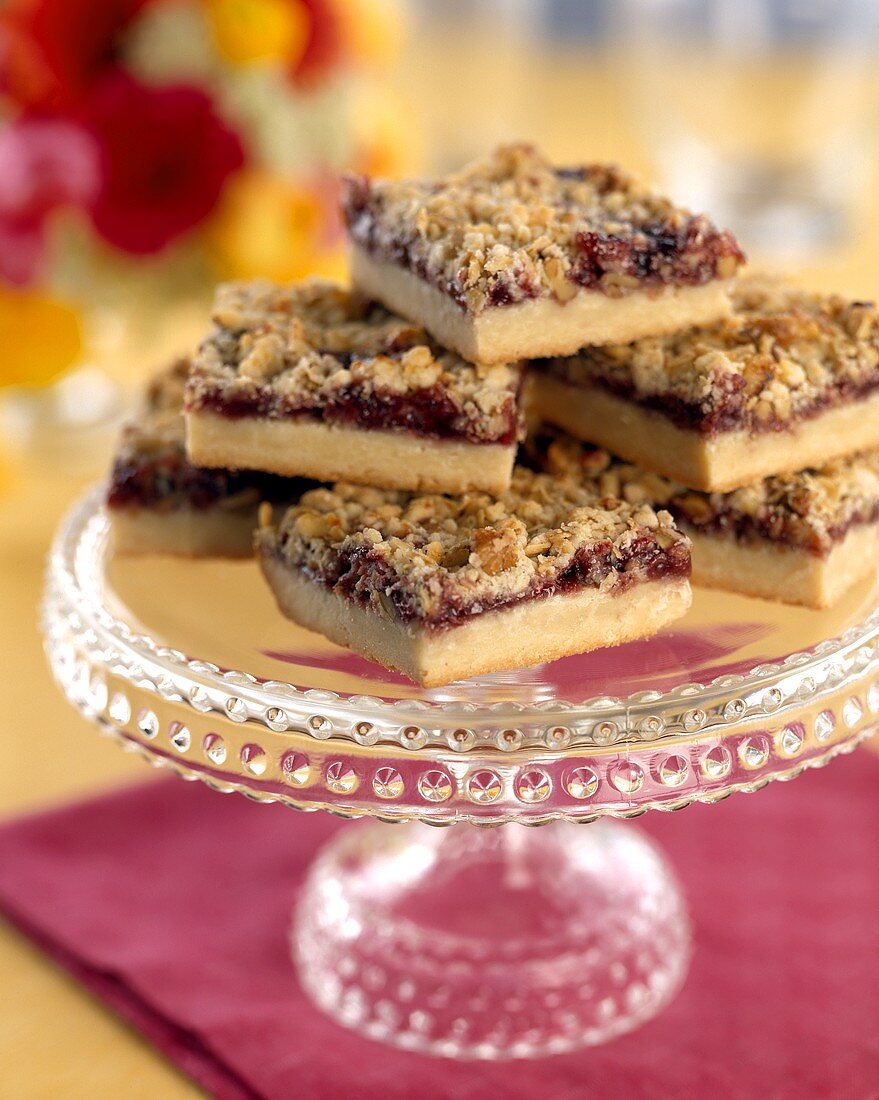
{"x":151,"y":147}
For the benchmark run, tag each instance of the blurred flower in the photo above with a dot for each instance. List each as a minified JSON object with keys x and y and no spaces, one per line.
{"x":323,"y":48}
{"x":55,"y":50}
{"x":373,"y":30}
{"x":385,"y":134}
{"x":259,"y":30}
{"x":171,"y":43}
{"x":45,"y":163}
{"x":22,"y":250}
{"x":40,"y":337}
{"x":269,"y":227}
{"x":288,"y":133}
{"x":166,"y":156}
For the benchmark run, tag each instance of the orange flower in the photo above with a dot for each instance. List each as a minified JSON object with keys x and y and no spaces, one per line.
{"x":271,"y":227}
{"x":40,"y":337}
{"x":246,"y":31}
{"x":386,"y":134}
{"x":373,"y":30}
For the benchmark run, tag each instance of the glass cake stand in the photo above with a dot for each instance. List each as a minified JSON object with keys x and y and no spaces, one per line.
{"x":466,"y":942}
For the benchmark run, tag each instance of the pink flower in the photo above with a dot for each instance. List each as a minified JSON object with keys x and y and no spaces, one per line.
{"x":22,"y":249}
{"x":45,"y":164}
{"x":166,"y":156}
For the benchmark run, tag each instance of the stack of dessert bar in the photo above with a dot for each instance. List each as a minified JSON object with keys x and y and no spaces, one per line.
{"x":506,"y":324}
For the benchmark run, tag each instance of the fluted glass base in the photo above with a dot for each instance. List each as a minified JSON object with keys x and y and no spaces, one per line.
{"x":503,"y":943}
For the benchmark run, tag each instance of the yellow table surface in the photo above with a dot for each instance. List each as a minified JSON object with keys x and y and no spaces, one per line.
{"x":55,"y":1040}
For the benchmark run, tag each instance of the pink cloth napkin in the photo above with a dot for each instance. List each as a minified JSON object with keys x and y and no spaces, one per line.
{"x":172,"y":904}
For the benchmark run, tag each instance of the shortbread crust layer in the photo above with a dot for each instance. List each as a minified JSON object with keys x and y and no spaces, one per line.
{"x":785,"y":573}
{"x":503,"y":334}
{"x":711,"y":463}
{"x":331,"y":452}
{"x":520,"y":636}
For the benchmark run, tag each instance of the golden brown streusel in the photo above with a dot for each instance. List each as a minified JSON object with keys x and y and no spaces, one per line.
{"x":432,"y":558}
{"x":784,"y":353}
{"x":513,"y":226}
{"x":810,"y":509}
{"x":319,"y":349}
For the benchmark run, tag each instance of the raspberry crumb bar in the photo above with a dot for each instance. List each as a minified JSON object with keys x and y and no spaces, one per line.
{"x":444,"y":588}
{"x":514,"y":257}
{"x":318,"y":381}
{"x":802,"y":538}
{"x":159,"y":501}
{"x":790,"y":381}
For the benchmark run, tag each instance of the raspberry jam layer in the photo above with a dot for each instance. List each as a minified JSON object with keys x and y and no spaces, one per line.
{"x":775,"y":524}
{"x":170,"y":480}
{"x":430,"y":413}
{"x":724,"y":409}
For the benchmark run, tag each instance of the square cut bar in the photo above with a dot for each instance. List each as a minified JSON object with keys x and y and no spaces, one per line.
{"x":513,"y":257}
{"x":318,"y":381}
{"x":159,"y":502}
{"x":445,"y":588}
{"x":789,"y":381}
{"x":802,"y":538}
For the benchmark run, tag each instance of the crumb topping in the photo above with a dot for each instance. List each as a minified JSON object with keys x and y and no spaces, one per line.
{"x":438,"y":559}
{"x":151,"y":468}
{"x":512,"y":227}
{"x":783,"y":354}
{"x":319,"y":350}
{"x":811,"y":509}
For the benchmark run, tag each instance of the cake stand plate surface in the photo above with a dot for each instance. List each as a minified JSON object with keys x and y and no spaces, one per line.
{"x":463,"y":943}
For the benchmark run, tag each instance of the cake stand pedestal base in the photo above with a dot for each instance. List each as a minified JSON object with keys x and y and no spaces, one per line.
{"x":491,"y":943}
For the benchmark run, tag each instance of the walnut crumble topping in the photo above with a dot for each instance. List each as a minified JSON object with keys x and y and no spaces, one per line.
{"x":321,"y":351}
{"x":439,"y":559}
{"x":784,"y":354}
{"x":513,"y":227}
{"x":151,"y":468}
{"x":810,"y":510}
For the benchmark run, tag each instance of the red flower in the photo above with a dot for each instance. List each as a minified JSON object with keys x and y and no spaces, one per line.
{"x":44,"y":164}
{"x":324,"y":46}
{"x":166,"y":156}
{"x":55,"y":50}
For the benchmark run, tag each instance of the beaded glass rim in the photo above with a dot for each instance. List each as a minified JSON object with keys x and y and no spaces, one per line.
{"x":445,"y":762}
